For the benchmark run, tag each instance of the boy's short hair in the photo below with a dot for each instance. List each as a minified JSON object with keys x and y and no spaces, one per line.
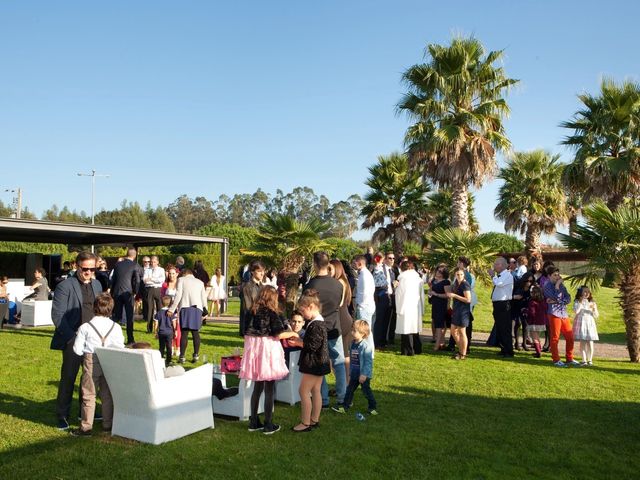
{"x":166,"y":300}
{"x":362,"y":328}
{"x":297,"y":313}
{"x":103,"y":305}
{"x":140,"y":346}
{"x":256,"y":265}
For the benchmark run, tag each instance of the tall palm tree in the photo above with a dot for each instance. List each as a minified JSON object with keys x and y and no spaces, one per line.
{"x":606,"y":139}
{"x":439,"y":210}
{"x":610,"y":239}
{"x":456,"y":100}
{"x":397,"y":201}
{"x":285,"y":243}
{"x":532,"y":199}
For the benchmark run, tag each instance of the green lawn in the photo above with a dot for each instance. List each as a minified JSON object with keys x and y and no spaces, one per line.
{"x":482,"y":418}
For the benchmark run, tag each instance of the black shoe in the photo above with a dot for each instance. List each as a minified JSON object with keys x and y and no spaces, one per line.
{"x":270,"y":428}
{"x":326,"y":407}
{"x":62,"y":424}
{"x":195,"y":358}
{"x":307,"y":429}
{"x":181,"y":360}
{"x":81,"y":433}
{"x":256,"y":425}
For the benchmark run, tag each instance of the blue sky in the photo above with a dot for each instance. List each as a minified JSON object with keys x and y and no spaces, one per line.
{"x":204,"y":97}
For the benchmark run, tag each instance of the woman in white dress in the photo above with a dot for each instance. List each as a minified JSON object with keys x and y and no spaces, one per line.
{"x":584,"y":323}
{"x":409,"y":308}
{"x":218,"y":292}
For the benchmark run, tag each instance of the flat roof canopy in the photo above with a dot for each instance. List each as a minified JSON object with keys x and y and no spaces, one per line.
{"x":36,"y":231}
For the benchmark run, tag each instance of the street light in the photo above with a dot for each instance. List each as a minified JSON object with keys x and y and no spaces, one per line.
{"x":93,"y":176}
{"x":17,"y":201}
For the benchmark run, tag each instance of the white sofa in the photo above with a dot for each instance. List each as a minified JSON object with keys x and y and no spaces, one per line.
{"x":238,"y":406}
{"x":36,"y":313}
{"x":150,"y":408}
{"x":287,"y":389}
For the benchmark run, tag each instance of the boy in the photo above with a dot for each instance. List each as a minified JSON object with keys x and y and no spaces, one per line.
{"x":99,"y":331}
{"x":361,"y":370}
{"x":164,"y":327}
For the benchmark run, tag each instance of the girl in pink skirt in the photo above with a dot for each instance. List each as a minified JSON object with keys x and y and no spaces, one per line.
{"x":263,"y":359}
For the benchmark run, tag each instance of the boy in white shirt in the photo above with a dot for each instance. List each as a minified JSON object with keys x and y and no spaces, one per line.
{"x":99,"y":331}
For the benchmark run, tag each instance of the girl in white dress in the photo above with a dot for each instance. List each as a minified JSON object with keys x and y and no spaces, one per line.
{"x":584,"y":323}
{"x":218,"y":291}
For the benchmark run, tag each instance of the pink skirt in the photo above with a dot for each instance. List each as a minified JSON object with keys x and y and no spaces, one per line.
{"x":263,"y":359}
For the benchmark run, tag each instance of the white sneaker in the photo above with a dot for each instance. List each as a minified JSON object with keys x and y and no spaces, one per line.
{"x":559,"y":363}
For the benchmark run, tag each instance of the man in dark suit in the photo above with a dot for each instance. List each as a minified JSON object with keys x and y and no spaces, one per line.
{"x":72,"y":306}
{"x":125,"y":284}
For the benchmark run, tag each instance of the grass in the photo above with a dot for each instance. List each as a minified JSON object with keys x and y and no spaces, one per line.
{"x":483,"y":418}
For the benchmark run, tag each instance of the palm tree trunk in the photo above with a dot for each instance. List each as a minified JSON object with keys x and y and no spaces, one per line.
{"x":573,"y":223}
{"x":630,"y":303}
{"x":532,"y":240}
{"x":460,"y":206}
{"x":291,"y":283}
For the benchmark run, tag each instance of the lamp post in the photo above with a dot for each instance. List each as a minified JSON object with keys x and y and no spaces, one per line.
{"x":93,"y":176}
{"x":17,"y":200}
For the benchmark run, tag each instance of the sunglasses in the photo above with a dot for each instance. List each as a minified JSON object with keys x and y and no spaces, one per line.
{"x":88,"y":269}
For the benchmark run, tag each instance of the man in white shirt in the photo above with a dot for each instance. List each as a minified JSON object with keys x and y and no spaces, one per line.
{"x":153,"y":278}
{"x":365,"y":290}
{"x":100,"y":331}
{"x":501,"y":298}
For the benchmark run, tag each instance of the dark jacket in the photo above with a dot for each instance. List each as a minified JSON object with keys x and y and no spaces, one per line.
{"x":66,"y":310}
{"x":265,"y":323}
{"x":127,"y":278}
{"x":330,"y":293}
{"x":314,"y":357}
{"x":249,"y":294}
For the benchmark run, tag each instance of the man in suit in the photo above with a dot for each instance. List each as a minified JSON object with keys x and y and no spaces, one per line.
{"x":383,"y":279}
{"x":125,"y":283}
{"x":190,"y":301}
{"x":72,"y":306}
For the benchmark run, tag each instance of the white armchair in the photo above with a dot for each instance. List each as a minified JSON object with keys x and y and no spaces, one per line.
{"x":239,"y":405}
{"x":287,"y":389}
{"x":150,"y":408}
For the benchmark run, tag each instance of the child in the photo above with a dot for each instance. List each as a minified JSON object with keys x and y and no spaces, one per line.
{"x":584,"y":323}
{"x":361,"y":370}
{"x":164,"y":327}
{"x":294,"y":344}
{"x":536,"y":317}
{"x":99,"y":331}
{"x":314,"y":362}
{"x":263,"y":359}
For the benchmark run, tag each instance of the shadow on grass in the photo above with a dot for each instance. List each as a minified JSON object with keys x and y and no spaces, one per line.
{"x":414,"y":436}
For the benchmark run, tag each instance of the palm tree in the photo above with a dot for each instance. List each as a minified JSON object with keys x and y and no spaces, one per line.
{"x":610,"y":241}
{"x":439,"y":210}
{"x":445,"y":245}
{"x":531,"y":200}
{"x":285,"y":243}
{"x":456,"y":101}
{"x":397,"y":201}
{"x":606,"y":139}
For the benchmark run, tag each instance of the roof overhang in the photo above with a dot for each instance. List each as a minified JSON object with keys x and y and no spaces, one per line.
{"x":36,"y":231}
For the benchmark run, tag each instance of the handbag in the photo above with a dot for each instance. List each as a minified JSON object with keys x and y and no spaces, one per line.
{"x":230,"y":364}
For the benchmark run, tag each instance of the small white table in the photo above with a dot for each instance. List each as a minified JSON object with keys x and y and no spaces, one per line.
{"x":36,"y":313}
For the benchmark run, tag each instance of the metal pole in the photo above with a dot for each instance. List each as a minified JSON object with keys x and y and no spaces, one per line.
{"x":19,"y":209}
{"x":93,"y":176}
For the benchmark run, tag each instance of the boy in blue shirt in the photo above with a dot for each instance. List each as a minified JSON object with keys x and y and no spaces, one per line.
{"x":164,"y":327}
{"x":361,"y":369}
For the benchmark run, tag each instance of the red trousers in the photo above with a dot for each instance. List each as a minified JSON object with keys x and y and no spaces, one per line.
{"x":557,"y":326}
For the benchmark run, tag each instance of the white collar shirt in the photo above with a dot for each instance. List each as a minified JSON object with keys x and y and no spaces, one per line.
{"x":502,"y":286}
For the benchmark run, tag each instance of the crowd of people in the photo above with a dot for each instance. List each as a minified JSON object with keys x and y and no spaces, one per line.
{"x":346,"y":312}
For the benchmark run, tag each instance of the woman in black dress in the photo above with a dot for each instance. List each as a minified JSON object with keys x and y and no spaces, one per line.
{"x":461,"y":295}
{"x":440,"y":286}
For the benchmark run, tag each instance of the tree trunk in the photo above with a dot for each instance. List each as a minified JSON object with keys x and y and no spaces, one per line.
{"x":630,"y":303}
{"x":532,"y":241}
{"x":291,"y":282}
{"x":573,"y":223}
{"x":460,"y":206}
